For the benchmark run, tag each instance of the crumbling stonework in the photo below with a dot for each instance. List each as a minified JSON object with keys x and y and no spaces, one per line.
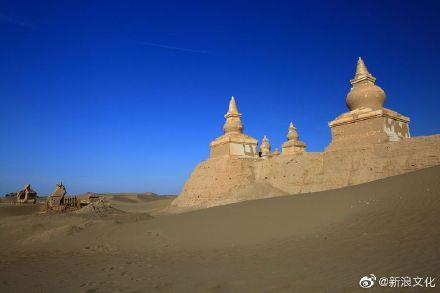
{"x":58,"y":201}
{"x":27,"y":195}
{"x":369,"y":142}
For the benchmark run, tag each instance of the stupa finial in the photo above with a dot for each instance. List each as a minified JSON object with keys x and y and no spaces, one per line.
{"x":362,"y":73}
{"x":361,"y":68}
{"x":232,"y":106}
{"x":233,"y":120}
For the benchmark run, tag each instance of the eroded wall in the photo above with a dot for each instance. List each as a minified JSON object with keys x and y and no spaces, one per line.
{"x":225,"y":180}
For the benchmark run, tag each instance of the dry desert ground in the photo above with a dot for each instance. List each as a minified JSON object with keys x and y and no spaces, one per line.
{"x":318,"y":242}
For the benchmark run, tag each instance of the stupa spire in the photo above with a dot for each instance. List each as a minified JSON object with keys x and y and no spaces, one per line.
{"x":232,"y":106}
{"x":233,"y":118}
{"x":362,"y":73}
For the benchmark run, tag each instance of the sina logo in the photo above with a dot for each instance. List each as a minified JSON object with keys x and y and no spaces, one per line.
{"x":367,"y":281}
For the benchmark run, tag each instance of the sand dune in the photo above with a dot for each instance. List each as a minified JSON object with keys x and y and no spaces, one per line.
{"x":139,"y":203}
{"x":318,"y":242}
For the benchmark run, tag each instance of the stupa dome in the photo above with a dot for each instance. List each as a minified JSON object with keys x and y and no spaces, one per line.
{"x":364,"y":92}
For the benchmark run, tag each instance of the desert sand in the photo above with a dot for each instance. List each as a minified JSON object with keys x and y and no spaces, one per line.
{"x":316,"y":242}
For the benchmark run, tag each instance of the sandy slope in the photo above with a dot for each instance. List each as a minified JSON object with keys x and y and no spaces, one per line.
{"x":140,"y":203}
{"x":320,"y":242}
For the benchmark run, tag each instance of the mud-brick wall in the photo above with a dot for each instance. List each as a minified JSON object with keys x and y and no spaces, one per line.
{"x":225,"y":180}
{"x":215,"y":180}
{"x":334,"y":169}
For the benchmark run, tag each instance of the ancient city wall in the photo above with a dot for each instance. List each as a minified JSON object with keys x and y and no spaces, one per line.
{"x":213,"y":181}
{"x":311,"y":172}
{"x":226,"y":180}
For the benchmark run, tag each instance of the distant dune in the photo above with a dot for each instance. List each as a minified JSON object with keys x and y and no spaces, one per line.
{"x":318,"y":242}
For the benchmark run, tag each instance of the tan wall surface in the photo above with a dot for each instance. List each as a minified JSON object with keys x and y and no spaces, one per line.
{"x":225,"y":180}
{"x":369,"y":131}
{"x":219,"y":150}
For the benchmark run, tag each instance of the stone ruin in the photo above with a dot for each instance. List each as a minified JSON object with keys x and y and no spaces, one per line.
{"x":27,"y":195}
{"x":369,"y":142}
{"x":58,"y":201}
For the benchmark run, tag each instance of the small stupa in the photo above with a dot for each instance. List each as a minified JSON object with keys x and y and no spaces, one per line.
{"x":293,"y":145}
{"x":234,"y":142}
{"x":367,"y":121}
{"x":265,"y":148}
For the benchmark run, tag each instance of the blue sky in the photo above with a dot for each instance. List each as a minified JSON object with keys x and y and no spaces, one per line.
{"x":126,"y":95}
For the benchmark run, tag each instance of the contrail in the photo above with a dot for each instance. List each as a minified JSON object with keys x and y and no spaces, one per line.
{"x":169,"y":47}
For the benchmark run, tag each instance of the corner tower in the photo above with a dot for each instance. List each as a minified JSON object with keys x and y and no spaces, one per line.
{"x":367,"y":121}
{"x":233,"y":142}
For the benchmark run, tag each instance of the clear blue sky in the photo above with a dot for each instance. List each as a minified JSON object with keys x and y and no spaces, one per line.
{"x":126,"y":95}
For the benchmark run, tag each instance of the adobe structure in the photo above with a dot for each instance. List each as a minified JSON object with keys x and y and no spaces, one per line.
{"x":27,"y":195}
{"x":59,"y":201}
{"x":369,"y":142}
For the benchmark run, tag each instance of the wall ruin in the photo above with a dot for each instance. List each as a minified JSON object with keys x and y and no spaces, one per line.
{"x":227,"y":180}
